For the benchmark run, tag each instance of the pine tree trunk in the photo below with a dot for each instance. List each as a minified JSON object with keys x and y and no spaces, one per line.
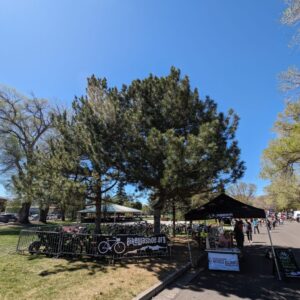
{"x":72,"y":213}
{"x":174,"y":218}
{"x":98,"y":203}
{"x":43,"y":214}
{"x":24,"y":213}
{"x":157,"y":212}
{"x":63,"y":215}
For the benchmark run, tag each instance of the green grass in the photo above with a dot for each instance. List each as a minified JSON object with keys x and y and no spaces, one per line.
{"x":40,"y":277}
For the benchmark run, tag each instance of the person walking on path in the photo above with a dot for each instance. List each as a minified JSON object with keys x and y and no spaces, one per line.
{"x":249,"y":231}
{"x":274,"y":224}
{"x":255,"y":226}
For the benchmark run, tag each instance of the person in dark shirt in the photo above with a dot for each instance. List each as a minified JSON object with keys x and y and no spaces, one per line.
{"x":239,"y":234}
{"x":249,"y":231}
{"x":269,"y":224}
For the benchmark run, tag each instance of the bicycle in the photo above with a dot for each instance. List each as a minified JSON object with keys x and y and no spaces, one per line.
{"x":115,"y":245}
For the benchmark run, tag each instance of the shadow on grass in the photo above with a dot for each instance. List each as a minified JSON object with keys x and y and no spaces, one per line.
{"x":8,"y":231}
{"x":160,"y":266}
{"x":93,"y":268}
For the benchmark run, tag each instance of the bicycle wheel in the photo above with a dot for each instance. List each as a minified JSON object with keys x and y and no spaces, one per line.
{"x":119,"y":247}
{"x":103,"y":247}
{"x":77,"y":247}
{"x":34,"y":247}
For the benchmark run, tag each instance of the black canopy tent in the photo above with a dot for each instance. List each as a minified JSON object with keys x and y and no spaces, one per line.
{"x":224,"y":206}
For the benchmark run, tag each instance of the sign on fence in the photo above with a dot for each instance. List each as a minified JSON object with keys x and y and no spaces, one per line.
{"x":143,"y":245}
{"x":75,"y":244}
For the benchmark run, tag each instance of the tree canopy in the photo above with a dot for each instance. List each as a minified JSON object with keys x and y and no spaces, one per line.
{"x":23,"y":124}
{"x":280,"y":161}
{"x":155,"y":133}
{"x":177,"y":144}
{"x":244,"y":192}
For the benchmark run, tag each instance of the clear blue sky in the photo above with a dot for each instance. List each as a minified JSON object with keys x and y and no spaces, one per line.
{"x":232,"y":50}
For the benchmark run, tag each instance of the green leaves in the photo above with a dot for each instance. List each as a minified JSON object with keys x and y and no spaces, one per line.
{"x":281,"y":160}
{"x":180,"y":144}
{"x":156,"y":133}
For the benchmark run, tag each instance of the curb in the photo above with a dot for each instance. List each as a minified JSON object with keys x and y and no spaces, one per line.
{"x":158,"y":287}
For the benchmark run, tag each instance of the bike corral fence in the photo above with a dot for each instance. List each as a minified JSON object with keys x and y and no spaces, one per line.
{"x":58,"y":243}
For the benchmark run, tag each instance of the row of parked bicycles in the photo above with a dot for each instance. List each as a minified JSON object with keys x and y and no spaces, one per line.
{"x":76,"y":241}
{"x":143,"y":228}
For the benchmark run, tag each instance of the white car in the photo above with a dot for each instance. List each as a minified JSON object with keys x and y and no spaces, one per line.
{"x":296,"y":214}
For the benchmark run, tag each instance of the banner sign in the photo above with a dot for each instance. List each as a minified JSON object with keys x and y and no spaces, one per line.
{"x":221,"y":215}
{"x":287,"y":262}
{"x":223,"y":261}
{"x":77,"y":244}
{"x":133,"y":245}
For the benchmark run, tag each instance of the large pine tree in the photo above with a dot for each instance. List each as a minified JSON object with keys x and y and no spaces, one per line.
{"x":177,"y":145}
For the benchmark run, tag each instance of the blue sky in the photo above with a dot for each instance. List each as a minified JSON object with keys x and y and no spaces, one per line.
{"x":232,"y":50}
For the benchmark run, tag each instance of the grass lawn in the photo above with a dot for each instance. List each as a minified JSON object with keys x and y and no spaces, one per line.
{"x":39,"y":277}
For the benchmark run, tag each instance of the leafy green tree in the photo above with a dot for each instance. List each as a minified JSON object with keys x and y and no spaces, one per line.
{"x":13,"y":206}
{"x":137,"y":205}
{"x":177,"y":145}
{"x":283,"y":153}
{"x":23,"y":124}
{"x":58,"y":179}
{"x":147,"y":209}
{"x":263,"y":201}
{"x":280,"y":161}
{"x":121,"y":197}
{"x":283,"y":192}
{"x":203,"y":197}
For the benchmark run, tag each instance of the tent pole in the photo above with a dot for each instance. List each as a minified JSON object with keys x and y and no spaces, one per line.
{"x":273,"y":252}
{"x":189,"y":246}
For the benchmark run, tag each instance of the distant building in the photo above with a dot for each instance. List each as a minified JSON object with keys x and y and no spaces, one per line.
{"x":3,"y":202}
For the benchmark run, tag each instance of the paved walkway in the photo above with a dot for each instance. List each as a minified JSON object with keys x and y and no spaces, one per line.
{"x":254,"y":282}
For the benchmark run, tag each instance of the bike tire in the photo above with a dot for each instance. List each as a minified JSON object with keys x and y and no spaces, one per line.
{"x":34,"y":247}
{"x":103,"y":247}
{"x":119,"y":248}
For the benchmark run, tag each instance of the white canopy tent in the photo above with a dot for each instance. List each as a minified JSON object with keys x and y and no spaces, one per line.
{"x":111,"y":209}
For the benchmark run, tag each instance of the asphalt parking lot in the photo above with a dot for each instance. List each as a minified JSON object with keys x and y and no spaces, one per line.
{"x":255,"y":281}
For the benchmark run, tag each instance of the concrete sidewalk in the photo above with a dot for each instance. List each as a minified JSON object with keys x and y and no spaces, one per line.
{"x":255,"y":281}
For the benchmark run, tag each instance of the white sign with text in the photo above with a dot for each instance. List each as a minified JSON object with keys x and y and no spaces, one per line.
{"x":223,"y":261}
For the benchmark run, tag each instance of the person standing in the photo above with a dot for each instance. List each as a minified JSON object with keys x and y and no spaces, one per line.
{"x":274,"y":223}
{"x":255,"y":226}
{"x":249,"y":231}
{"x":269,"y":224}
{"x":239,"y":234}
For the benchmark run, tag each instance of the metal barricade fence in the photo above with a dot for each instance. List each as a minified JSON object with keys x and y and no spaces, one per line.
{"x":35,"y":241}
{"x":91,"y":245}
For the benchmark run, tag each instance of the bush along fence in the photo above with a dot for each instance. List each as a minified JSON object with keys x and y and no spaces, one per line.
{"x":68,"y":244}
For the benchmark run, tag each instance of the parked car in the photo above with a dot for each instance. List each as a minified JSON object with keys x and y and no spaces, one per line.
{"x":5,"y":218}
{"x":34,"y":217}
{"x":53,"y":216}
